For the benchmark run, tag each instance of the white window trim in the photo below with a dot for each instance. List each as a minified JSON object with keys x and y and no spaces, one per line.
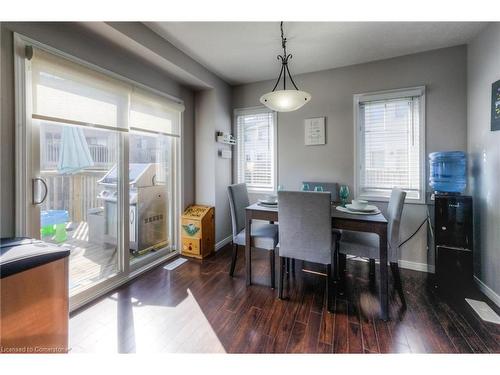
{"x":384,"y":95}
{"x":248,"y":111}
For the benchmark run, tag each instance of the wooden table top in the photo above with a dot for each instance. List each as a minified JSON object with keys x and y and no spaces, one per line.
{"x":379,"y":218}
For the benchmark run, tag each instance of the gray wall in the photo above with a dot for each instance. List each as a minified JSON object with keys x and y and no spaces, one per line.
{"x":223,"y":170}
{"x":483,"y":59}
{"x":201,"y":119}
{"x":443,"y":72}
{"x":213,"y":174}
{"x":71,"y":38}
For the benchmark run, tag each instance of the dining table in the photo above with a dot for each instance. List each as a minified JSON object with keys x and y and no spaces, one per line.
{"x":376,"y":223}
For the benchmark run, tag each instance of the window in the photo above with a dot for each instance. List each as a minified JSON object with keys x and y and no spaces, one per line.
{"x":256,"y":155}
{"x":390,"y":140}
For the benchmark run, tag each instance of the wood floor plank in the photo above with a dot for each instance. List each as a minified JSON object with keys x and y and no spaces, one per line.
{"x":324,"y":348}
{"x":296,"y":342}
{"x":245,"y":333}
{"x":307,"y":299}
{"x":199,"y":308}
{"x":370,"y":342}
{"x":449,"y":325}
{"x":286,"y":322}
{"x":340,"y":331}
{"x":326,"y":327}
{"x":311,"y":339}
{"x":355,"y":338}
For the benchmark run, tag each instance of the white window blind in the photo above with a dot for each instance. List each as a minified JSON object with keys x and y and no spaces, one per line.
{"x":256,"y":149}
{"x":149,"y":112}
{"x":68,"y":92}
{"x":390,"y":145}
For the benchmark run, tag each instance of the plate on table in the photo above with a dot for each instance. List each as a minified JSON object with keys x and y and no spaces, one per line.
{"x":269,"y":202}
{"x":348,"y":211}
{"x":270,"y":205}
{"x":367,"y":208}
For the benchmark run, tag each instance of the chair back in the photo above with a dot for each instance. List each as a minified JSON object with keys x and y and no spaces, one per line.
{"x":394,"y":213}
{"x":305,"y":226}
{"x":332,"y":187}
{"x":238,"y":201}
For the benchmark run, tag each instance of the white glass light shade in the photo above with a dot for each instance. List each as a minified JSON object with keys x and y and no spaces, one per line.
{"x":285,"y":100}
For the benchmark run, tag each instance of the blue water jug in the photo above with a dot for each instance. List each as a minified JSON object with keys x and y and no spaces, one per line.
{"x":448,"y":171}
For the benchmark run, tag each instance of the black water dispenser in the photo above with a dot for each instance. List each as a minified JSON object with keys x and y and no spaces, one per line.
{"x":453,"y":240}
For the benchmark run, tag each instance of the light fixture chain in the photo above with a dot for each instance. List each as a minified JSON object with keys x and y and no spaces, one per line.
{"x":283,"y":40}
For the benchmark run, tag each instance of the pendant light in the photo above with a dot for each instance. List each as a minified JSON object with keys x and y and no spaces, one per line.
{"x":285,"y":100}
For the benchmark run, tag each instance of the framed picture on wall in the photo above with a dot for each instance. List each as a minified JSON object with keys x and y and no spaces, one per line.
{"x":314,"y":131}
{"x":495,"y":106}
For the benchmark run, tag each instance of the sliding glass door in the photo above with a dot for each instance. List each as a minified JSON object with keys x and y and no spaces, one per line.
{"x":77,"y":212}
{"x":98,"y":168}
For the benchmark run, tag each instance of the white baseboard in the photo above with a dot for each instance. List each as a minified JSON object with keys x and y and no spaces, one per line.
{"x":223,"y":243}
{"x":490,"y":293}
{"x":415,"y":266}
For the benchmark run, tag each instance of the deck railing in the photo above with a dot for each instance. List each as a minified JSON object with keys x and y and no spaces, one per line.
{"x":101,"y":155}
{"x":75,"y":193}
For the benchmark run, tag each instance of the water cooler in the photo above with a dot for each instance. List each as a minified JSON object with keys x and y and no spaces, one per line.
{"x":452,"y":219}
{"x":453,"y":224}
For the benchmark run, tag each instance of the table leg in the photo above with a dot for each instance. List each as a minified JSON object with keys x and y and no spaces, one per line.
{"x":248,"y":260}
{"x":384,"y":274}
{"x":335,"y":259}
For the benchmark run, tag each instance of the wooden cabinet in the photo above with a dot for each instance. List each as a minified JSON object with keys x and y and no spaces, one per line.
{"x":198,"y":231}
{"x":34,"y":312}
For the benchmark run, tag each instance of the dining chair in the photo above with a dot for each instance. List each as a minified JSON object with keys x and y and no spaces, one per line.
{"x":332,"y":187}
{"x":305,"y":232}
{"x":263,"y":236}
{"x":366,"y":245}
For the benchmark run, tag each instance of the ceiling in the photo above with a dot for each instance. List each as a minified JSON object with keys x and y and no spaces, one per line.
{"x":242,"y":52}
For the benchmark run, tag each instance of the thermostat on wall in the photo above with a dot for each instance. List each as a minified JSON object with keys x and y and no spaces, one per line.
{"x":225,"y":154}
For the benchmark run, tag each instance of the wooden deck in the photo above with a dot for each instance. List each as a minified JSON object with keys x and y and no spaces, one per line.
{"x":89,"y":262}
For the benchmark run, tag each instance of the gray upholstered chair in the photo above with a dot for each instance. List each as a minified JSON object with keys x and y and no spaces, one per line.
{"x":305,"y":231}
{"x":366,"y":245}
{"x":332,"y":187}
{"x":264,"y":236}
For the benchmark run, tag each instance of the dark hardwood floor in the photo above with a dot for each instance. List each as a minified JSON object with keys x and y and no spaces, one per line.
{"x":199,"y":308}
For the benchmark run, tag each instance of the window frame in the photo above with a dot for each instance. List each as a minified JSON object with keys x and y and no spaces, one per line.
{"x":358,"y":139}
{"x":274,"y":175}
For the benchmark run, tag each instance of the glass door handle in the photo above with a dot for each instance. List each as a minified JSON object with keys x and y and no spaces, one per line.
{"x":34,"y":181}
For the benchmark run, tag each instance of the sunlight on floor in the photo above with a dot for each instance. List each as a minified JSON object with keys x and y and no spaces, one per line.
{"x":143,"y":328}
{"x":81,"y":232}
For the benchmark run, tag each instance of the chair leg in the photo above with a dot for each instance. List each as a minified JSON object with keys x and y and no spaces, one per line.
{"x":397,"y":281}
{"x":287,"y":265}
{"x":272,"y":266}
{"x":293,"y":266}
{"x":372,"y":267}
{"x":335,"y":260}
{"x":343,"y":264}
{"x":233,"y":260}
{"x":282,"y":277}
{"x":329,"y":288}
{"x":342,"y":259}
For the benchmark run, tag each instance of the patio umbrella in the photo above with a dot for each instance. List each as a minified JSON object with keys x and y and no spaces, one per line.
{"x":74,"y":154}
